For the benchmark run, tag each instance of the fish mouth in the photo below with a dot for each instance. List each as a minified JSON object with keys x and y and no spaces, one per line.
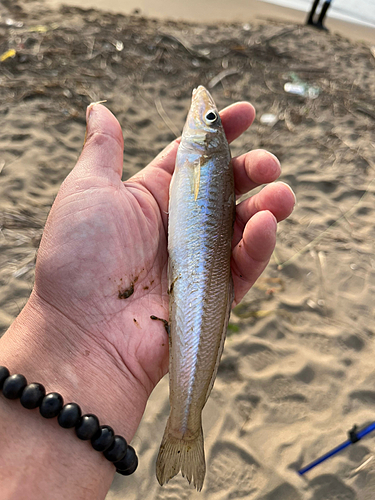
{"x":202,"y":96}
{"x":199,"y":89}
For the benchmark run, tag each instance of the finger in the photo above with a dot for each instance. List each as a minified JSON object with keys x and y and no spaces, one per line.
{"x":237,"y":118}
{"x":278,"y":198}
{"x":254,"y":168}
{"x":155,"y":178}
{"x":102,"y":153}
{"x":163,"y":162}
{"x":253,"y":252}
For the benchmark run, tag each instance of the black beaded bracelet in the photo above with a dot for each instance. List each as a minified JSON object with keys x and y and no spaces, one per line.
{"x":87,"y":427}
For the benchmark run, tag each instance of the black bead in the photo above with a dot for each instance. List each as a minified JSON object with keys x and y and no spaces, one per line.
{"x":87,"y":427}
{"x":51,"y":405}
{"x":69,"y":415}
{"x":103,"y":439}
{"x":32,"y":396}
{"x":128,"y":464}
{"x":13,"y":386}
{"x":117,"y":449}
{"x":4,"y":373}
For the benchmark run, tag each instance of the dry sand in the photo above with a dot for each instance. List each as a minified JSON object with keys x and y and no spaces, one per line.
{"x":297,"y":371}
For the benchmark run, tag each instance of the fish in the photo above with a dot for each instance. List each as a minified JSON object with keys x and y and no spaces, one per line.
{"x":200,"y":230}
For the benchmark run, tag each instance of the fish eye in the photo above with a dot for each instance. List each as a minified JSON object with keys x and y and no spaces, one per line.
{"x":211,"y":116}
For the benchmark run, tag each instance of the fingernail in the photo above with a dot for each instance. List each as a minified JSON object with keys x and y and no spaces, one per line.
{"x":89,"y":111}
{"x":290,"y":189}
{"x":276,"y":158}
{"x":90,"y":107}
{"x":274,"y":221}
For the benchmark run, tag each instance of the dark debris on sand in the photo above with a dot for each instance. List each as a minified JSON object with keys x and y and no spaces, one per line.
{"x":71,"y":56}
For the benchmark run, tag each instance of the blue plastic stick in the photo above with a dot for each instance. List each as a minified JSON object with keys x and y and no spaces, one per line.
{"x":366,"y":430}
{"x":354,"y":437}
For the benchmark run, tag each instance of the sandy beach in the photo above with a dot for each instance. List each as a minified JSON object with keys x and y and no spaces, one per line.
{"x":298,"y":367}
{"x":214,"y":11}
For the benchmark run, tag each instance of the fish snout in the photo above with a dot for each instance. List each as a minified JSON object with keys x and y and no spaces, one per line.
{"x":203,"y":115}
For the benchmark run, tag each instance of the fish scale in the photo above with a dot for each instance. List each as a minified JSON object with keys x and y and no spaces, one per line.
{"x":200,"y":229}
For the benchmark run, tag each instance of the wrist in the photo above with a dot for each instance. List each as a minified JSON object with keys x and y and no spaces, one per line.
{"x":37,"y":454}
{"x":46,"y":347}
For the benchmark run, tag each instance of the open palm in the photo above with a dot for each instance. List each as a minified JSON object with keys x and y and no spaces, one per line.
{"x":102,"y":262}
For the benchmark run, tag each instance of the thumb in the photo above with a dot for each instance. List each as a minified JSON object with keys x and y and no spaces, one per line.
{"x":102,"y":153}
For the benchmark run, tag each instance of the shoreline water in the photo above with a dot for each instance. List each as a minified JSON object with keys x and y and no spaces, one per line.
{"x":246,"y":11}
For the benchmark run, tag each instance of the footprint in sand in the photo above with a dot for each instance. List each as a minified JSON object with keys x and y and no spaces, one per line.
{"x":283,"y":492}
{"x":177,"y":489}
{"x":233,"y":472}
{"x":258,"y":356}
{"x":329,"y":487}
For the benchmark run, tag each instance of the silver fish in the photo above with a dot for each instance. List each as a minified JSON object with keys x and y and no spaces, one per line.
{"x":200,"y":229}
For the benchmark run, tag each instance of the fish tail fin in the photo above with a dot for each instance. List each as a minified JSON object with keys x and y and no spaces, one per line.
{"x":181,"y":454}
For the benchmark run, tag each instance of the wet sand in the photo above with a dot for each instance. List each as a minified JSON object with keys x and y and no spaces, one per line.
{"x":298,"y":366}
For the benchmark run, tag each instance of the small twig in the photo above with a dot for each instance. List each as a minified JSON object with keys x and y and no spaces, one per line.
{"x":282,"y":32}
{"x":223,"y":74}
{"x":361,"y":467}
{"x":179,"y":42}
{"x":163,"y":115}
{"x":90,"y":43}
{"x":365,"y":111}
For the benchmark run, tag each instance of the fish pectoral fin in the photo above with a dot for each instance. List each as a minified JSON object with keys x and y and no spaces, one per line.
{"x":185,"y":455}
{"x":197,"y":179}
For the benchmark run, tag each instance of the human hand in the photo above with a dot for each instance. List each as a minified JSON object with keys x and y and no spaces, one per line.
{"x":106,"y":239}
{"x":102,"y":262}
